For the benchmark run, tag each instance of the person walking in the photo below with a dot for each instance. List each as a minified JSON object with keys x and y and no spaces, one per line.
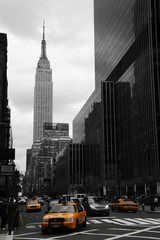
{"x":156,"y":202}
{"x":12,"y":211}
{"x":3,"y":213}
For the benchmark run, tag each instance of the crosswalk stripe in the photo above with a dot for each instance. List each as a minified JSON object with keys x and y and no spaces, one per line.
{"x":123,"y":221}
{"x":157,"y":220}
{"x":146,"y":220}
{"x":136,"y":221}
{"x":3,"y":236}
{"x":109,"y":221}
{"x":31,"y":226}
{"x":95,"y":221}
{"x":118,"y":221}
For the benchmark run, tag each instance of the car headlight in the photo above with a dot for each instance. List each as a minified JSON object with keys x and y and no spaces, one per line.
{"x":69,"y":219}
{"x":107,"y":207}
{"x":92,"y":206}
{"x":44,"y":220}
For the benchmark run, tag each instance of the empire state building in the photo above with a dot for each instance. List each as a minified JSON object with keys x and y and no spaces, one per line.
{"x":43,"y":93}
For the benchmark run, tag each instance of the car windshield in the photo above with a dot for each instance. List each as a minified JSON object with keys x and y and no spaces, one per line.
{"x":127,"y":201}
{"x":97,"y":200}
{"x":63,"y":208}
{"x":53,"y":202}
{"x":33,"y":202}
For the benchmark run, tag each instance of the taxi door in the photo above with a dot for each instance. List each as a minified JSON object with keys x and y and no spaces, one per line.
{"x":81,"y":216}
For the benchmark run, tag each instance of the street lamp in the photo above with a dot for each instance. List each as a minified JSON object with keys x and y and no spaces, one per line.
{"x":148,"y":148}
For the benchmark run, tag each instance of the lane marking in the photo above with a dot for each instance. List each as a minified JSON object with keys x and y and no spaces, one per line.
{"x":122,"y":222}
{"x":134,"y":233}
{"x":95,"y":221}
{"x":110,"y":221}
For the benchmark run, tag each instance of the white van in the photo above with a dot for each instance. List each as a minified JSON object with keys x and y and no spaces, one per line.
{"x":80,"y":196}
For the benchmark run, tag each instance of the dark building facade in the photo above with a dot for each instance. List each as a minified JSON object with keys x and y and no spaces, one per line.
{"x":127,"y":42}
{"x":7,"y":154}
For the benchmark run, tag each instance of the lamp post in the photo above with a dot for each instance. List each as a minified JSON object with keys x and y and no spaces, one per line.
{"x":148,"y":148}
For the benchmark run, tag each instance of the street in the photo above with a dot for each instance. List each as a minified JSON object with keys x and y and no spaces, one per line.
{"x":118,"y":225}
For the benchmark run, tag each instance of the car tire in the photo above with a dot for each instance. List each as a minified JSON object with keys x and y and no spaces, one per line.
{"x":84,"y":223}
{"x":45,"y":231}
{"x":112,"y":209}
{"x":107,"y":214}
{"x":88,"y":212}
{"x":119,"y":209}
{"x":77,"y":226}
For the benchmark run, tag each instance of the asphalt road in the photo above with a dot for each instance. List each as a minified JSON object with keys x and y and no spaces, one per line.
{"x":118,"y":225}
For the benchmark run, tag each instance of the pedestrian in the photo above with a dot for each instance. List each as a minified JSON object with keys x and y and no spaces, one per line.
{"x":3,"y":212}
{"x":156,"y":202}
{"x":12,"y":211}
{"x":16,"y":222}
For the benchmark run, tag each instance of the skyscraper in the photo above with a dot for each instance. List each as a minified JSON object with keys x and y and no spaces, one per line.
{"x":43,"y":93}
{"x":127,"y":84}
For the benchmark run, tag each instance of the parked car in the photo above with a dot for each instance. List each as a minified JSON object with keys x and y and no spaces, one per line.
{"x":65,"y":215}
{"x":124,"y":204}
{"x":96,"y":205}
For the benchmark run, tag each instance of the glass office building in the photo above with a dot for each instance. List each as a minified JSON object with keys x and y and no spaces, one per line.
{"x":127,"y":46}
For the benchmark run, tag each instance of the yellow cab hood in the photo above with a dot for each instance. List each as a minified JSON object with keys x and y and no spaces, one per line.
{"x":59,"y":215}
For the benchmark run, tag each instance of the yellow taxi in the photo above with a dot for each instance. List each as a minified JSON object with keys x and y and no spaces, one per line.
{"x":124,"y":204}
{"x":66,"y":215}
{"x":33,"y":205}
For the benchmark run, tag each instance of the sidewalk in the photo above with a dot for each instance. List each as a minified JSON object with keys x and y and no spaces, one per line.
{"x":148,"y":209}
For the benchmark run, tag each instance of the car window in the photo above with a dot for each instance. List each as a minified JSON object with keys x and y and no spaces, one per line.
{"x":127,"y":201}
{"x":63,"y":208}
{"x":80,"y":209}
{"x":91,"y":200}
{"x":97,"y":200}
{"x":33,"y":202}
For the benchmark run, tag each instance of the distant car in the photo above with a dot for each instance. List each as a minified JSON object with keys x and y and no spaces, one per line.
{"x":22,"y":200}
{"x":80,"y":196}
{"x":76,"y":200}
{"x":40,"y":200}
{"x":96,"y":205}
{"x":33,"y":205}
{"x":124,"y":204}
{"x":65,"y":215}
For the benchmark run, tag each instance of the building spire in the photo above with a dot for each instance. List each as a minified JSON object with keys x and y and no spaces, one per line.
{"x":43,"y":30}
{"x":43,"y":44}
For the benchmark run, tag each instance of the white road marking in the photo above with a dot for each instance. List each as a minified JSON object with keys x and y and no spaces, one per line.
{"x":136,"y":221}
{"x":147,"y":220}
{"x":118,"y":221}
{"x":134,"y":233}
{"x":95,"y":221}
{"x":154,"y":220}
{"x":30,"y":226}
{"x":110,"y":221}
{"x":123,"y":222}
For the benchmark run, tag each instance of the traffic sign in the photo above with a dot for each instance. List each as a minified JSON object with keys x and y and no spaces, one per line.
{"x":7,"y":168}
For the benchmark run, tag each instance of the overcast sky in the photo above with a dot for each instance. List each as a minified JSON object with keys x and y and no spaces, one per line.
{"x":69,"y":34}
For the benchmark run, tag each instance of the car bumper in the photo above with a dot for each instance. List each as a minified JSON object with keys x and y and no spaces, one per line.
{"x":33,"y":209}
{"x":99,"y":211}
{"x":58,"y":225}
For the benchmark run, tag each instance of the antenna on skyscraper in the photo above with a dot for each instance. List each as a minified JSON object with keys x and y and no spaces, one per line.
{"x":43,"y":30}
